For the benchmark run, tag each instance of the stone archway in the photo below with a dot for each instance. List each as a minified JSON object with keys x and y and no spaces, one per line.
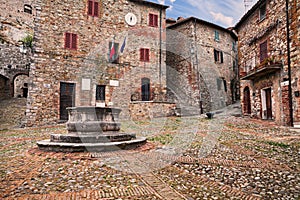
{"x":247,"y":101}
{"x":19,"y":85}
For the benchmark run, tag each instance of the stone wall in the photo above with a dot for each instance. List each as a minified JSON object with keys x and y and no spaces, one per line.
{"x":149,"y":110}
{"x":4,"y":88}
{"x":89,"y":62}
{"x":252,"y":33}
{"x":190,"y":60}
{"x":15,"y":25}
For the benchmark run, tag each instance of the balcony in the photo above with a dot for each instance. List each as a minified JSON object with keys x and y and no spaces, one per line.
{"x":266,"y":67}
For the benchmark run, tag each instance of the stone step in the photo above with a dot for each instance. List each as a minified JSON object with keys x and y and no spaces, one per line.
{"x":47,"y":145}
{"x":91,"y":138}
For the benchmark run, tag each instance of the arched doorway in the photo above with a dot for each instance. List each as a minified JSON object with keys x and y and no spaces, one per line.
{"x":145,"y":89}
{"x":247,"y":101}
{"x":20,"y":86}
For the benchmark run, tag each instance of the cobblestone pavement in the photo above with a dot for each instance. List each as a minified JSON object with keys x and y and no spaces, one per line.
{"x":249,"y":159}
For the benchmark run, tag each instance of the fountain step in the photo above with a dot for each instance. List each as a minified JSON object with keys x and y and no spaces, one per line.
{"x":93,"y":126}
{"x":92,"y":138}
{"x":47,"y":145}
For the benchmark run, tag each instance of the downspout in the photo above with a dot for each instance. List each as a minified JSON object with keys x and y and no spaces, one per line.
{"x":160,"y":51}
{"x":198,"y":73}
{"x":289,"y":64}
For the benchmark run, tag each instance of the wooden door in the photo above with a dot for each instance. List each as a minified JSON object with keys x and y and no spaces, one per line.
{"x":67,"y":98}
{"x":269,"y":103}
{"x":247,"y":101}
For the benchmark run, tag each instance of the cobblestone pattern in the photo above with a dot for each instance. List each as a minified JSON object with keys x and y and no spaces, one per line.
{"x":254,"y":160}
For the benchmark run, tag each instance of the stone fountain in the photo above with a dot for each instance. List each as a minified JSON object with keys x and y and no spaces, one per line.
{"x":92,"y":129}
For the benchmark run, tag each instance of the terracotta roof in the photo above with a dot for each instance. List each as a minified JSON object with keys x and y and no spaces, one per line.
{"x":151,"y":3}
{"x":249,"y":13}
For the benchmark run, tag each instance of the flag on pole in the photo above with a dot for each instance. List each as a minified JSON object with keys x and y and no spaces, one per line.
{"x":112,"y":51}
{"x":123,"y":46}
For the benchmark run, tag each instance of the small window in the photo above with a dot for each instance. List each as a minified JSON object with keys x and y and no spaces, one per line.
{"x":145,"y":88}
{"x":70,"y":41}
{"x":262,"y":12}
{"x":234,"y":46}
{"x":113,"y":56}
{"x":144,"y":55}
{"x":93,"y":8}
{"x":263,"y":52}
{"x":218,"y":56}
{"x":217,"y":36}
{"x":225,"y":85}
{"x":28,"y":9}
{"x":153,"y":20}
{"x":219,"y":83}
{"x":100,"y":92}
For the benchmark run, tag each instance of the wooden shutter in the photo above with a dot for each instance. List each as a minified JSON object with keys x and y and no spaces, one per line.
{"x":155,"y":20}
{"x":142,"y":56}
{"x":147,"y":55}
{"x":221,"y":55}
{"x":96,"y":9}
{"x":263,"y":51}
{"x":216,"y":55}
{"x":90,"y":7}
{"x":74,"y":41}
{"x":67,"y":40}
{"x":151,"y":22}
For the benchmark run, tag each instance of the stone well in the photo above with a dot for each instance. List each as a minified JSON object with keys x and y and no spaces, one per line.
{"x":92,"y":129}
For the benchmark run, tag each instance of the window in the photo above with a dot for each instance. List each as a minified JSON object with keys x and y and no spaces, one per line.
{"x":219,"y":83}
{"x":145,"y":89}
{"x":217,"y":36}
{"x":218,"y":56}
{"x":262,"y":12}
{"x":100,"y":92}
{"x":153,"y":20}
{"x":113,"y":56}
{"x":93,"y":8}
{"x":28,"y":8}
{"x":70,"y":41}
{"x":144,"y":55}
{"x":234,"y":46}
{"x":225,"y":85}
{"x":263,"y":52}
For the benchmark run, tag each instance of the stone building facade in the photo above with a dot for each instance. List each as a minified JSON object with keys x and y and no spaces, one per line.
{"x":263,"y":61}
{"x":201,"y":65}
{"x":16,"y":32}
{"x":96,"y":53}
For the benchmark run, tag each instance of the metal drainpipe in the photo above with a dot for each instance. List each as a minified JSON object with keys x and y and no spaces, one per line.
{"x":289,"y":63}
{"x":160,"y":46}
{"x":198,"y":73}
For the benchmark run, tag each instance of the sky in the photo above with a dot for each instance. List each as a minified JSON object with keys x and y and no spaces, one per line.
{"x":225,"y":13}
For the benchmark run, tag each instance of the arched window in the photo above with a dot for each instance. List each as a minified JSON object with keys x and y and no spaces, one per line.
{"x":28,"y":9}
{"x":145,"y":89}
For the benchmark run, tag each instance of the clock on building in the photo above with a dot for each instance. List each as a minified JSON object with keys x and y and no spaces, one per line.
{"x":130,"y":19}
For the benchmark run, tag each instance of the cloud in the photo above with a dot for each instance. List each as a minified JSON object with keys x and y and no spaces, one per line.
{"x":170,"y":8}
{"x":172,"y":1}
{"x":161,"y":1}
{"x":219,"y":17}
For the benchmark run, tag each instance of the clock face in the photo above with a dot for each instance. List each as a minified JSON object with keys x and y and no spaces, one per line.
{"x":131,"y":19}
